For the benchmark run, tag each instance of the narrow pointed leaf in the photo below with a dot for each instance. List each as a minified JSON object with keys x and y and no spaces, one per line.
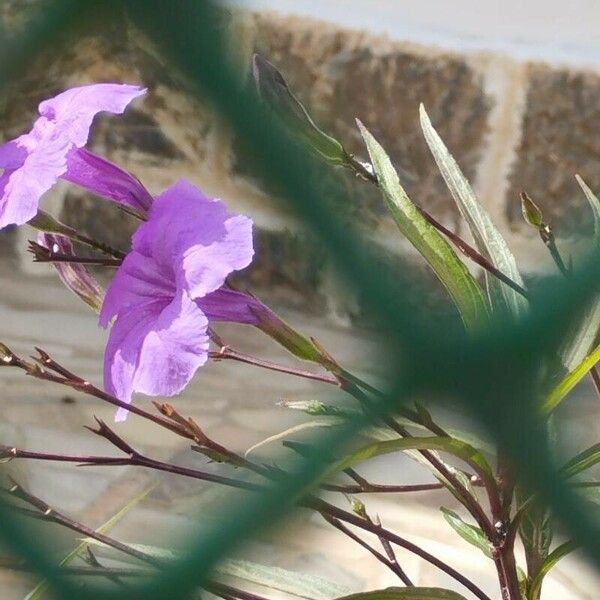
{"x":580,"y":344}
{"x":407,"y":593}
{"x":487,"y":238}
{"x":470,"y":533}
{"x":461,"y":450}
{"x":274,"y":90}
{"x":568,"y":382}
{"x":582,"y":341}
{"x":299,"y":584}
{"x":550,"y":562}
{"x":594,"y":204}
{"x":584,"y":460}
{"x":450,"y":270}
{"x":284,"y":434}
{"x":42,"y":587}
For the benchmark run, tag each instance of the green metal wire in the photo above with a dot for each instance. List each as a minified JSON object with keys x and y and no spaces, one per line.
{"x":493,"y":375}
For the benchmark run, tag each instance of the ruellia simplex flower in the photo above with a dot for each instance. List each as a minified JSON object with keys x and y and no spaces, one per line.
{"x":171,"y":289}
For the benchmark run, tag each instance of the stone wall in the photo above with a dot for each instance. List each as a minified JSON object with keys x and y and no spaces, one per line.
{"x":511,"y":125}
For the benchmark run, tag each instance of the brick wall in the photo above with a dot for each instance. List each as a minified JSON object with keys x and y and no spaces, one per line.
{"x":512,"y":125}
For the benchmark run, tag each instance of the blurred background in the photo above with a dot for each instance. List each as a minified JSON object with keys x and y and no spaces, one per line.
{"x":514,"y":90}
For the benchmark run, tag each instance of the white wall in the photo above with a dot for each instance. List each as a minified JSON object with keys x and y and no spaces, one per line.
{"x":558,"y":31}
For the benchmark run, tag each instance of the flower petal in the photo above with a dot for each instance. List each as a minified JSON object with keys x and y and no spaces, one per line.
{"x":232,"y":306}
{"x":23,"y":187}
{"x":155,"y":349}
{"x":74,"y":110}
{"x":106,"y":179}
{"x":186,"y":227}
{"x":12,"y":155}
{"x":138,"y":281}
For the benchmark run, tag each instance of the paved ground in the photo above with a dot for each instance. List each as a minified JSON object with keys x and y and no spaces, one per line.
{"x":236,"y":404}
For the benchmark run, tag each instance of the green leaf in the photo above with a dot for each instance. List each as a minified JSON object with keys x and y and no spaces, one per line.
{"x":470,"y":533}
{"x":487,"y":238}
{"x":284,"y":434}
{"x":445,"y":444}
{"x":552,"y":559}
{"x":462,"y":287}
{"x":583,"y":461}
{"x":275,"y":91}
{"x":594,"y":204}
{"x":299,"y":584}
{"x":570,"y":381}
{"x":582,"y":341}
{"x":42,"y":587}
{"x":406,"y":593}
{"x":579,"y":344}
{"x":283,"y":580}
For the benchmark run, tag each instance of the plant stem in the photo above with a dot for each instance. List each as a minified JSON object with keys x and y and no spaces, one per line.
{"x":467,"y":499}
{"x":225,"y":352}
{"x":378,"y":530}
{"x":310,"y":502}
{"x":393,"y":566}
{"x":49,"y":514}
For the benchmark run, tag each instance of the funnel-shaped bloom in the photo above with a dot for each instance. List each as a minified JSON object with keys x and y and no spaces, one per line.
{"x":168,"y":288}
{"x":35,"y":161}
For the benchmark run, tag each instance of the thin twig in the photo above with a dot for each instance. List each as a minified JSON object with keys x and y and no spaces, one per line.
{"x":225,"y":352}
{"x":310,"y":502}
{"x":394,"y":567}
{"x":47,"y":513}
{"x":378,"y":530}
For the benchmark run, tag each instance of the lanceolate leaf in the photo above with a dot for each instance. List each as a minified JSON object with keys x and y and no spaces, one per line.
{"x":552,"y":559}
{"x":275,"y":91}
{"x":594,"y":204}
{"x":457,"y":448}
{"x":570,"y":381}
{"x":585,"y":460}
{"x":42,"y":587}
{"x":469,"y":533}
{"x":296,"y":583}
{"x":407,"y":593}
{"x":487,"y":238}
{"x":461,"y":285}
{"x":287,"y":432}
{"x":580,"y":344}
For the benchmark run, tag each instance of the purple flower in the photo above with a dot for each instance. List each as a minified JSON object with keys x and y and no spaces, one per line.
{"x":168,"y":288}
{"x":53,"y":148}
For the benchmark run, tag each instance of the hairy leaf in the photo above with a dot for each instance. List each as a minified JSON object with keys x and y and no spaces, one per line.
{"x":552,"y":559}
{"x":445,"y":444}
{"x":275,"y":92}
{"x":594,"y":204}
{"x":407,"y":593}
{"x":487,"y":238}
{"x":470,"y":533}
{"x":284,"y":434}
{"x":450,"y":270}
{"x":584,"y":460}
{"x":296,"y":583}
{"x":570,"y":381}
{"x":42,"y":587}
